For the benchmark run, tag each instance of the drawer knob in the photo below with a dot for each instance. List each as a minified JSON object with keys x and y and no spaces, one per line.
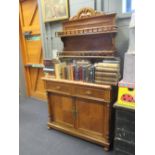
{"x":58,"y":87}
{"x":88,"y":92}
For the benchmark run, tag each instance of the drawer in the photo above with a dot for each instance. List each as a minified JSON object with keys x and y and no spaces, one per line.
{"x":94,"y":93}
{"x":55,"y":86}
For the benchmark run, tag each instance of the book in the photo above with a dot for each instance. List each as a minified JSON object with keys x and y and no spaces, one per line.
{"x":116,"y":70}
{"x":68,"y":72}
{"x":105,"y":74}
{"x":80,"y":72}
{"x":58,"y":70}
{"x":91,"y":74}
{"x":106,"y":79}
{"x":107,"y":65}
{"x":76,"y":72}
{"x":63,"y":72}
{"x":84,"y":73}
{"x":71,"y":72}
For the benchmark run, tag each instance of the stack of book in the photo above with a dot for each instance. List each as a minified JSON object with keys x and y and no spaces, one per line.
{"x":79,"y":71}
{"x":107,"y":72}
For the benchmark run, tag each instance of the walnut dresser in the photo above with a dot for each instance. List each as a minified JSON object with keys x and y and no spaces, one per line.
{"x":79,"y":108}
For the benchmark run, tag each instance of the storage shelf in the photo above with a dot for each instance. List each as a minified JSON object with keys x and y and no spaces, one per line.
{"x":88,"y":54}
{"x":81,"y":34}
{"x":87,"y":31}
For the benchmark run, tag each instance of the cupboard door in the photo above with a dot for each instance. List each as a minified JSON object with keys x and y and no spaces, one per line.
{"x":61,"y":109}
{"x":90,"y":117}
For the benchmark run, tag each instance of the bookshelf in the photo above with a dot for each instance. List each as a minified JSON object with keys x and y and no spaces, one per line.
{"x":81,"y":106}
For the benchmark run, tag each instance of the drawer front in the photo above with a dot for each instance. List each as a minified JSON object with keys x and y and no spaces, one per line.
{"x":93,"y":92}
{"x":55,"y":86}
{"x":82,"y":91}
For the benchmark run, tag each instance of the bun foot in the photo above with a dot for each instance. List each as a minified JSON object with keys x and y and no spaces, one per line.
{"x":49,"y":128}
{"x":106,"y":148}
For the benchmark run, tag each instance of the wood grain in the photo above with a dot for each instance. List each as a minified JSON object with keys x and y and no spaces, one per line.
{"x":81,"y":109}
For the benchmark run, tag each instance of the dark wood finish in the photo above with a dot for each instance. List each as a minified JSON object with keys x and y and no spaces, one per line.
{"x":89,"y":43}
{"x":93,"y":31}
{"x":95,"y":20}
{"x":75,"y":107}
{"x":81,"y":109}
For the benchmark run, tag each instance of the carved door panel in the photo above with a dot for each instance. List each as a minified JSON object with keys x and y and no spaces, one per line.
{"x":90,"y":117}
{"x":31,"y":48}
{"x":62,"y":109}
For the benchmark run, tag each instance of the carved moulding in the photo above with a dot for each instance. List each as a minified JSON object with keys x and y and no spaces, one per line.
{"x":85,"y":13}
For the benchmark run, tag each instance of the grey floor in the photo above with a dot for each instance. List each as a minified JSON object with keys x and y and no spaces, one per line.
{"x":36,"y":139}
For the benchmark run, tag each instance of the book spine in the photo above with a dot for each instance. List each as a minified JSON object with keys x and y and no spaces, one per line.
{"x":91,"y":74}
{"x":107,"y":69}
{"x":80,"y":73}
{"x":65,"y":69}
{"x":105,"y":74}
{"x":68,"y":72}
{"x":71,"y":69}
{"x":62,"y":71}
{"x":107,"y":65}
{"x":84,"y":73}
{"x":73,"y":72}
{"x":76,"y":73}
{"x":57,"y":71}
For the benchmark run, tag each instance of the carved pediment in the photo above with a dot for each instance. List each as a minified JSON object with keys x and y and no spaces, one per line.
{"x":85,"y":13}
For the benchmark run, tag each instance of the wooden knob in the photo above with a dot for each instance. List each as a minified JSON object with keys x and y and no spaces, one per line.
{"x":58,"y":87}
{"x":88,"y":92}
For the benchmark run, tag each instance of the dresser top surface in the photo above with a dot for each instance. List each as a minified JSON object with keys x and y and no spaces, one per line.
{"x":77,"y":83}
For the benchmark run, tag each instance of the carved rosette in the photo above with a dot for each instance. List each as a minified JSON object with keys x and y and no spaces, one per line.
{"x":85,"y":13}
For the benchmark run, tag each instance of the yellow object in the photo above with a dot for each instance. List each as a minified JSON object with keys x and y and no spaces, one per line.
{"x":126,"y":96}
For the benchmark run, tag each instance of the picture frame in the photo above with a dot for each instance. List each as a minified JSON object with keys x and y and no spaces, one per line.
{"x":55,"y":10}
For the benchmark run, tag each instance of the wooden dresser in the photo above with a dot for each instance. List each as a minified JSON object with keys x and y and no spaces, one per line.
{"x":81,"y":109}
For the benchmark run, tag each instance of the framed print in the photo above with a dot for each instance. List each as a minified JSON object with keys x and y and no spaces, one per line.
{"x":54,"y":10}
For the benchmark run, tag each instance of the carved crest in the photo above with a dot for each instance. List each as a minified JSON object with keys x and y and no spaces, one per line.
{"x":85,"y":13}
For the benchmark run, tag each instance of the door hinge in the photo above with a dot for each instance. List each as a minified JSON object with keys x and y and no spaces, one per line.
{"x":27,"y":34}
